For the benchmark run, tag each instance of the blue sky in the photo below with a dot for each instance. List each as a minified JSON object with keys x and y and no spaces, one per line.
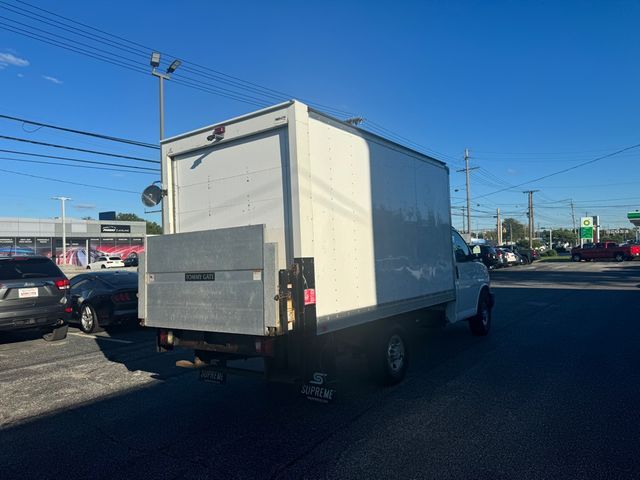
{"x":530,"y":88}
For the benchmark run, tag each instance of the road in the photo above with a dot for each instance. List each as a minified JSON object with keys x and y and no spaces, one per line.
{"x":553,"y":392}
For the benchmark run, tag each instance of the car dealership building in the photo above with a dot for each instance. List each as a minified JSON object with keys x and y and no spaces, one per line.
{"x":86,"y":239}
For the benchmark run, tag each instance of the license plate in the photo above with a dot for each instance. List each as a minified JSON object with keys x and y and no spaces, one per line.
{"x":27,"y":292}
{"x":212,"y":376}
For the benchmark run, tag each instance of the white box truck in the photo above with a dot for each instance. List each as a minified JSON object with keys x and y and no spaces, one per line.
{"x":289,"y":235}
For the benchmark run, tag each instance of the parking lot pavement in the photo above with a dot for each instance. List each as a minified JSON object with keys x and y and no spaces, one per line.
{"x":39,"y":377}
{"x":553,"y":392}
{"x":570,"y":275}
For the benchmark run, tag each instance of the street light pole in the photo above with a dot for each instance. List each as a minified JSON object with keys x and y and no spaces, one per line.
{"x":161,"y":90}
{"x":155,"y":63}
{"x":64,"y":228}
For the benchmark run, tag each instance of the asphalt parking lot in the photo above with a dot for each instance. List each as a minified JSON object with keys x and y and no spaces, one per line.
{"x":553,"y":392}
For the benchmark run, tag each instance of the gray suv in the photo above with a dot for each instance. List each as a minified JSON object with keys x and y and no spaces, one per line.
{"x":33,"y":293}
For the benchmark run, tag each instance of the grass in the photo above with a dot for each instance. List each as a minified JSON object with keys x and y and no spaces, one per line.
{"x":559,"y":258}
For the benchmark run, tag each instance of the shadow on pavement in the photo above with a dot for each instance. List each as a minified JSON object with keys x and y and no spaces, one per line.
{"x":552,"y":381}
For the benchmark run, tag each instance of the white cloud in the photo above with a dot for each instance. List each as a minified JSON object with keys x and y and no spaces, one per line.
{"x":20,"y":75}
{"x":11,"y":59}
{"x":52,"y":79}
{"x":84,"y":206}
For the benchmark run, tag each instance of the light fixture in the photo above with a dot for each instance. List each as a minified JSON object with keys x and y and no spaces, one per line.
{"x":155,"y":59}
{"x":174,"y":65}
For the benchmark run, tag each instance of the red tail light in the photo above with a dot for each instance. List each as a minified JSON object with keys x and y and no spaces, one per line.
{"x":68,"y":310}
{"x":62,"y":284}
{"x":265,"y":346}
{"x":121,"y":297}
{"x":165,"y":339}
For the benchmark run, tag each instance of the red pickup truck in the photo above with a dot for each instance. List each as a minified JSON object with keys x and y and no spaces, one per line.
{"x":605,"y":251}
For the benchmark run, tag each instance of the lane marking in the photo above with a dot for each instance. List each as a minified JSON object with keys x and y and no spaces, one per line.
{"x":84,"y":335}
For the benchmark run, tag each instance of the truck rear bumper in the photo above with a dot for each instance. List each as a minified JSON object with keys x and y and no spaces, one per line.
{"x":241,"y":346}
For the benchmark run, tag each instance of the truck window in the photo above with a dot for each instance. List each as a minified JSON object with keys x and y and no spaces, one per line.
{"x":460,"y":247}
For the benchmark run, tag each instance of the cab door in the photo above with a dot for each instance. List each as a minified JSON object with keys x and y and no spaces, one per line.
{"x":467,"y":275}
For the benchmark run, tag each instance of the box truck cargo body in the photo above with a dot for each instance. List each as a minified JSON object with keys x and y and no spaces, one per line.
{"x":290,"y":223}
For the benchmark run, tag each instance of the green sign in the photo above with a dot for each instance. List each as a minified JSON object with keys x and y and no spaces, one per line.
{"x":633,"y":215}
{"x":586,"y":233}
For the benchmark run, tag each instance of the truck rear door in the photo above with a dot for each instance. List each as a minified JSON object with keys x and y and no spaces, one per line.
{"x":236,"y":183}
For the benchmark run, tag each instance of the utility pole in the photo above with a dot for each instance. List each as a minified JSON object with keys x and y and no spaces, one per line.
{"x":464,"y":215}
{"x":573,"y":219}
{"x":531,"y":224}
{"x":64,"y":228}
{"x":499,"y":227}
{"x":466,"y":169}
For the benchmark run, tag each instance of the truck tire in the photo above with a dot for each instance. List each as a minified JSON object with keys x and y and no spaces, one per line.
{"x":480,"y":323}
{"x":389,"y":356}
{"x":576,"y":257}
{"x":619,"y":257}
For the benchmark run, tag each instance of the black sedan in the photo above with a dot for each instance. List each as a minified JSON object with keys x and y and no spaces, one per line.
{"x":103,"y":298}
{"x":131,"y":261}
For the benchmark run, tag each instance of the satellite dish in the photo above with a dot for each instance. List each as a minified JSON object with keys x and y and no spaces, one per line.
{"x":151,"y":196}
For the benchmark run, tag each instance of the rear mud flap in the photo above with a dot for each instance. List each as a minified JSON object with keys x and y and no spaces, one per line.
{"x":319,"y":388}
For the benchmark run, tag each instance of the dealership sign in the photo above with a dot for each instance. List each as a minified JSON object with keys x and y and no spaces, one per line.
{"x":115,"y":228}
{"x":634,"y":217}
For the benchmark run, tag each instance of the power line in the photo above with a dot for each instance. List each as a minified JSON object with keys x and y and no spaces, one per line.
{"x":245,"y":91}
{"x":81,"y":132}
{"x":564,"y":170}
{"x":145,"y":50}
{"x":95,"y":152}
{"x":119,"y":61}
{"x":24,"y":160}
{"x":68,"y":182}
{"x":94,"y":162}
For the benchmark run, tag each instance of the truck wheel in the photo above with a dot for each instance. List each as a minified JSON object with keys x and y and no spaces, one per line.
{"x":576,"y":258}
{"x":389,"y":356}
{"x":618,"y":257}
{"x":480,"y":323}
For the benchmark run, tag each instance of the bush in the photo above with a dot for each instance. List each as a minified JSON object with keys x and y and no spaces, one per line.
{"x":551,"y":253}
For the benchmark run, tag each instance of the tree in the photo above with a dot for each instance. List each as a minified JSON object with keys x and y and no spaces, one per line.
{"x":152,"y":227}
{"x":561,"y":235}
{"x":513,"y":230}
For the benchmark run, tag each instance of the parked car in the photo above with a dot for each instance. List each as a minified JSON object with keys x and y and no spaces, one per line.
{"x":490,"y":257}
{"x":528,"y":255}
{"x":33,"y":293}
{"x":131,"y":261}
{"x":509,"y":258}
{"x":100,"y":299}
{"x":106,"y":262}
